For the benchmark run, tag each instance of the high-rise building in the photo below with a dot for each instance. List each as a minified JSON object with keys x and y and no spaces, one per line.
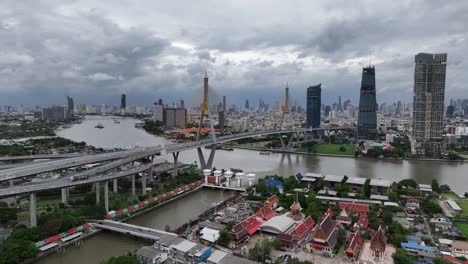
{"x":450,"y":111}
{"x":314,"y":102}
{"x":174,"y":117}
{"x":428,"y":103}
{"x":182,"y":104}
{"x":224,"y":103}
{"x":54,"y":113}
{"x":158,"y":113}
{"x":123,"y":104}
{"x":221,"y":120}
{"x":70,"y":107}
{"x":367,"y":116}
{"x":340,"y":107}
{"x":247,"y":106}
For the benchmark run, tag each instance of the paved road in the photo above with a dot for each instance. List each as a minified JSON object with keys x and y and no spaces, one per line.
{"x":41,"y":156}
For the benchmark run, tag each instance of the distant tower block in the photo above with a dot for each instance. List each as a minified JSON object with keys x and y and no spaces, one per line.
{"x":251,"y":178}
{"x":239,"y":177}
{"x":217,"y":174}
{"x":228,"y":174}
{"x":207,"y":173}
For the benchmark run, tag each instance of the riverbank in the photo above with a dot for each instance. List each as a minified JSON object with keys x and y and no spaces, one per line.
{"x":346,"y":156}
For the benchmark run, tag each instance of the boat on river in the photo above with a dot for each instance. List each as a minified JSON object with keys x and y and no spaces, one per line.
{"x":99,"y":125}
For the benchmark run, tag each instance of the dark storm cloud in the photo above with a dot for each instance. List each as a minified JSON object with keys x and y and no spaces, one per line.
{"x":98,"y":49}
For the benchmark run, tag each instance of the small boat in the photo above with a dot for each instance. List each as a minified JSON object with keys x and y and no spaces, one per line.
{"x":99,"y":125}
{"x":116,"y":121}
{"x":265,"y":152}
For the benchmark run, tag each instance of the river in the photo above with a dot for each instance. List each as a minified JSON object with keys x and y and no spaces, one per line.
{"x":455,"y":174}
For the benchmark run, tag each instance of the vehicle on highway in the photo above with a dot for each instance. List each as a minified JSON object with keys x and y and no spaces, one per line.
{"x":79,"y":177}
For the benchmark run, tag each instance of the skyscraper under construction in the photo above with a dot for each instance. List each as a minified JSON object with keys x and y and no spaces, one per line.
{"x":428,"y":103}
{"x":367,"y":117}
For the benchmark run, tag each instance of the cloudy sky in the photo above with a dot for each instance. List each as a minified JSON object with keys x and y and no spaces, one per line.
{"x":95,"y":50}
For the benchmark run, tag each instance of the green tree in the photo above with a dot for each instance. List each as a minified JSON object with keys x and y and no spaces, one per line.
{"x":277,"y":244}
{"x":15,"y":251}
{"x":408,"y":183}
{"x":224,"y":238}
{"x":7,"y":214}
{"x":401,"y":257}
{"x":261,"y":251}
{"x":435,"y":186}
{"x":387,"y":217}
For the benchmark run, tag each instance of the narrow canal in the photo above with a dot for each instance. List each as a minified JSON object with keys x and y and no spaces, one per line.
{"x":105,"y":245}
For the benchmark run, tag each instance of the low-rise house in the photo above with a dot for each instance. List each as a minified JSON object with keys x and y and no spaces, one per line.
{"x":441,"y":223}
{"x":356,"y":184}
{"x":460,"y":249}
{"x":420,"y":250}
{"x":380,"y":186}
{"x":454,"y":260}
{"x":403,"y":221}
{"x":454,"y":233}
{"x":150,"y":255}
{"x":425,"y":189}
{"x":413,"y":202}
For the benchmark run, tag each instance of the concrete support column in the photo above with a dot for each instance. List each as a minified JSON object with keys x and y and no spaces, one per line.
{"x":176,"y":167}
{"x":201,"y":158}
{"x":12,"y":183}
{"x":150,"y":174}
{"x":32,"y":209}
{"x":98,"y":192}
{"x":209,"y":164}
{"x":116,"y":186}
{"x":64,"y":195}
{"x":143,"y":182}
{"x":106,"y":196}
{"x":133,"y":185}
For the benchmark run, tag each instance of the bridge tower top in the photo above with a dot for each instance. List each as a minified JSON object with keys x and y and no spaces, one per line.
{"x":286,"y":100}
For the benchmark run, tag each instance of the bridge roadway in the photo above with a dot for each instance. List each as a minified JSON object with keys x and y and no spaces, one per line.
{"x":139,"y":231}
{"x":41,"y":156}
{"x":132,"y":155}
{"x":65,"y":182}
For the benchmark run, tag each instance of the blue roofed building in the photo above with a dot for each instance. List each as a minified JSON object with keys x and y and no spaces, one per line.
{"x":274,"y":182}
{"x":421,"y":250}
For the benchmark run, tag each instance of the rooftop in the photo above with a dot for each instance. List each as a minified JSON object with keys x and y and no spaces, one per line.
{"x":414,"y":245}
{"x":356,"y":180}
{"x":380,"y":183}
{"x":333,"y":178}
{"x":277,"y":224}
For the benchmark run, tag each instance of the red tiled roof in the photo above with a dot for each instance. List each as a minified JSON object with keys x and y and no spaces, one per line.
{"x":272,"y":200}
{"x":266,"y":212}
{"x":355,"y":207}
{"x":454,"y":260}
{"x":363,"y":220}
{"x":248,"y":226}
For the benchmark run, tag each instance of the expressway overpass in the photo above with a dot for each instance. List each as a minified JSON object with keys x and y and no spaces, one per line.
{"x":134,"y":155}
{"x":40,"y":156}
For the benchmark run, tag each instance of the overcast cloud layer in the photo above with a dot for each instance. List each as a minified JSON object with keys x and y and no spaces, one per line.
{"x":95,"y":50}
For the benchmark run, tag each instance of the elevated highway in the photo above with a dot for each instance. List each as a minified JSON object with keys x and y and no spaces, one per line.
{"x":40,"y":156}
{"x":133,"y":155}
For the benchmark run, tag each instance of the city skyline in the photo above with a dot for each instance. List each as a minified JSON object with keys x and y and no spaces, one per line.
{"x":116,"y":52}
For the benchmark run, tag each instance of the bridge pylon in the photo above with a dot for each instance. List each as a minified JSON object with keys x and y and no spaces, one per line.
{"x":205,"y":113}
